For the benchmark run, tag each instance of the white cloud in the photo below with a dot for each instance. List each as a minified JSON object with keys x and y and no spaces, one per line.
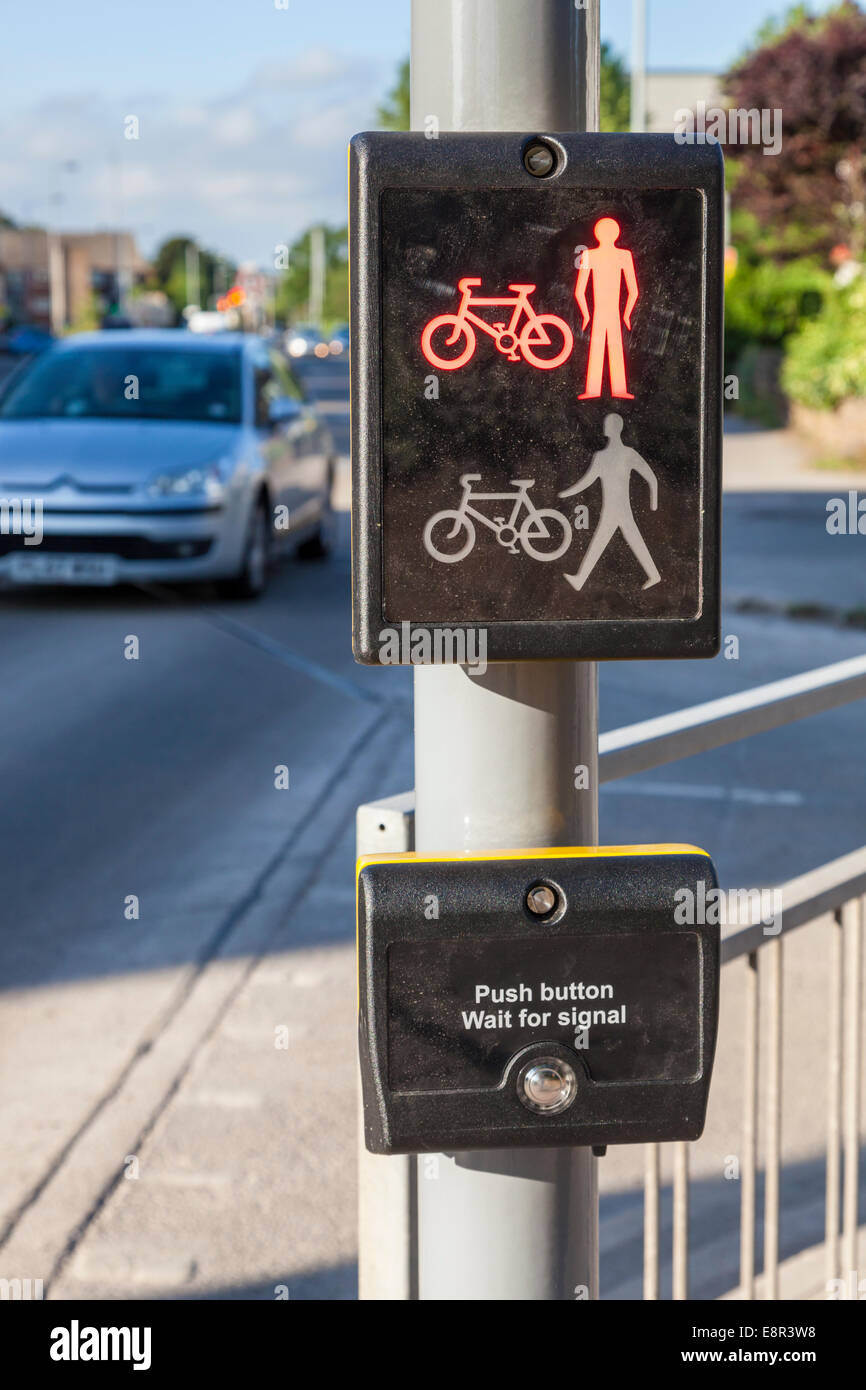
{"x":138,"y":183}
{"x":242,"y":172}
{"x":314,"y":68}
{"x":236,"y":127}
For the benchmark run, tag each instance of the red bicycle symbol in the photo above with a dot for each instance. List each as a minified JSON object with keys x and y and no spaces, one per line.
{"x":540,"y":331}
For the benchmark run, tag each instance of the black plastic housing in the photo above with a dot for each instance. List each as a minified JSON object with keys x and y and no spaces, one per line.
{"x":425,"y":211}
{"x":628,"y":920}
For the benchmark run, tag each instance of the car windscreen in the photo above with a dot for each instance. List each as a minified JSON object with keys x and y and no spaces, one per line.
{"x":129,"y":382}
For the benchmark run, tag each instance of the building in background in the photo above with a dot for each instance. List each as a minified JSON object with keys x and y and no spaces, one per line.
{"x":56,"y":280}
{"x":25,"y":276}
{"x":668,"y":92}
{"x":100,"y":271}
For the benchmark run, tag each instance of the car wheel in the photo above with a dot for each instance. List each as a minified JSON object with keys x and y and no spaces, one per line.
{"x":316,"y":546}
{"x":320,"y":542}
{"x":252,"y":578}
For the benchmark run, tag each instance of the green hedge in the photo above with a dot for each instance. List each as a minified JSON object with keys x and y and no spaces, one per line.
{"x":825,"y":361}
{"x":765,"y":303}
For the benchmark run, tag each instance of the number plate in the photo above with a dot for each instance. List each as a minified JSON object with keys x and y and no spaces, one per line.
{"x":63,"y":569}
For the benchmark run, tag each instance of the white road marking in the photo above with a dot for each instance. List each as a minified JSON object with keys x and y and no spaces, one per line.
{"x":751,"y":796}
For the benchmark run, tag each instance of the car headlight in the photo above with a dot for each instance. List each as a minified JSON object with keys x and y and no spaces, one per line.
{"x":206,"y":481}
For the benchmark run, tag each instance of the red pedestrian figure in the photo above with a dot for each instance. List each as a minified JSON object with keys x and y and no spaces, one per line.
{"x":608,"y":264}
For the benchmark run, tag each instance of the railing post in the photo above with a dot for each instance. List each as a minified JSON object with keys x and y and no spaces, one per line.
{"x":853,"y":927}
{"x":774,"y":1121}
{"x":387,"y":1235}
{"x":651,"y":1186}
{"x":680,"y":1287}
{"x":750,"y":1130}
{"x":834,"y":1101}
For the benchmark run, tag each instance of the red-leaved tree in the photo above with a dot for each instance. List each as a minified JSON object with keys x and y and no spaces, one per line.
{"x":811,"y":196}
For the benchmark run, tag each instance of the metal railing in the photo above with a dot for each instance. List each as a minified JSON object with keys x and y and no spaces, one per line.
{"x":836,"y":889}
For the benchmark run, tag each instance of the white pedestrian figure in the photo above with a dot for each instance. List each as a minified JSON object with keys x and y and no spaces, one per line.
{"x":613,"y":466}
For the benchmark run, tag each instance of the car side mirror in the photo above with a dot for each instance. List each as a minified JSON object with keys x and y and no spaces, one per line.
{"x":283,"y":410}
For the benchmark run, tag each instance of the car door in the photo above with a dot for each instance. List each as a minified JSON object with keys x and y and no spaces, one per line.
{"x":277,"y":437}
{"x":310,"y":462}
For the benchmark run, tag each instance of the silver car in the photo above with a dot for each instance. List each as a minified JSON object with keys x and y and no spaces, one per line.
{"x":131,"y":456}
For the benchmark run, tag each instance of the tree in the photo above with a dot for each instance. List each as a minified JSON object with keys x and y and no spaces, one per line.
{"x":615,"y":91}
{"x":169,"y":272}
{"x":825,"y":362}
{"x":293,"y":292}
{"x":774,"y":29}
{"x":810,"y":196}
{"x":393,"y":113}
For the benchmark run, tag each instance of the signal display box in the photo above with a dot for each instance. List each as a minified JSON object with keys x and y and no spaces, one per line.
{"x":548,"y":997}
{"x":536,"y":396}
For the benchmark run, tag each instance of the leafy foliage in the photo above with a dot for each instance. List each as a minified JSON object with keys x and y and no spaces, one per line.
{"x":169,"y":272}
{"x":813,"y":191}
{"x":825,"y":362}
{"x":293,"y":294}
{"x":765,"y":303}
{"x":615,"y":91}
{"x":774,"y":28}
{"x":393,"y":114}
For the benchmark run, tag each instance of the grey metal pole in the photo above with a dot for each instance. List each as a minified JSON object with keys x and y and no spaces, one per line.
{"x":638,"y":66}
{"x":496,"y":755}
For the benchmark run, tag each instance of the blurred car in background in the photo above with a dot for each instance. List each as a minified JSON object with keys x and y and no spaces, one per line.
{"x":206,"y":321}
{"x":302,"y":340}
{"x":19,"y":344}
{"x":161,"y":455}
{"x":339,"y":341}
{"x":26,"y":340}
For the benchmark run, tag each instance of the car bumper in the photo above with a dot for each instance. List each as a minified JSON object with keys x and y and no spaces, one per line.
{"x":130,"y":547}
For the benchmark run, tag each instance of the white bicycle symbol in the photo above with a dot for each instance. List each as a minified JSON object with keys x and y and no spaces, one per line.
{"x":539,"y":528}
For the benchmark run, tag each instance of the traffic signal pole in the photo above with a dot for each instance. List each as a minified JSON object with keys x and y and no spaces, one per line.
{"x":507,"y":759}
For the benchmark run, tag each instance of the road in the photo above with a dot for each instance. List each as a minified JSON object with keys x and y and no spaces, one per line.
{"x":169,"y":909}
{"x":328,"y":384}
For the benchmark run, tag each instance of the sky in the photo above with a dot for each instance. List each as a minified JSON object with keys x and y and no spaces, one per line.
{"x":243,"y":107}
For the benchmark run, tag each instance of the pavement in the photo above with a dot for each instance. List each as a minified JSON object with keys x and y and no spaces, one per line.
{"x":759,"y":460}
{"x":177,"y":1050}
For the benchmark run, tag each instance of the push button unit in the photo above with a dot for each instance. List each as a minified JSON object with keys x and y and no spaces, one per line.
{"x":548,"y":997}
